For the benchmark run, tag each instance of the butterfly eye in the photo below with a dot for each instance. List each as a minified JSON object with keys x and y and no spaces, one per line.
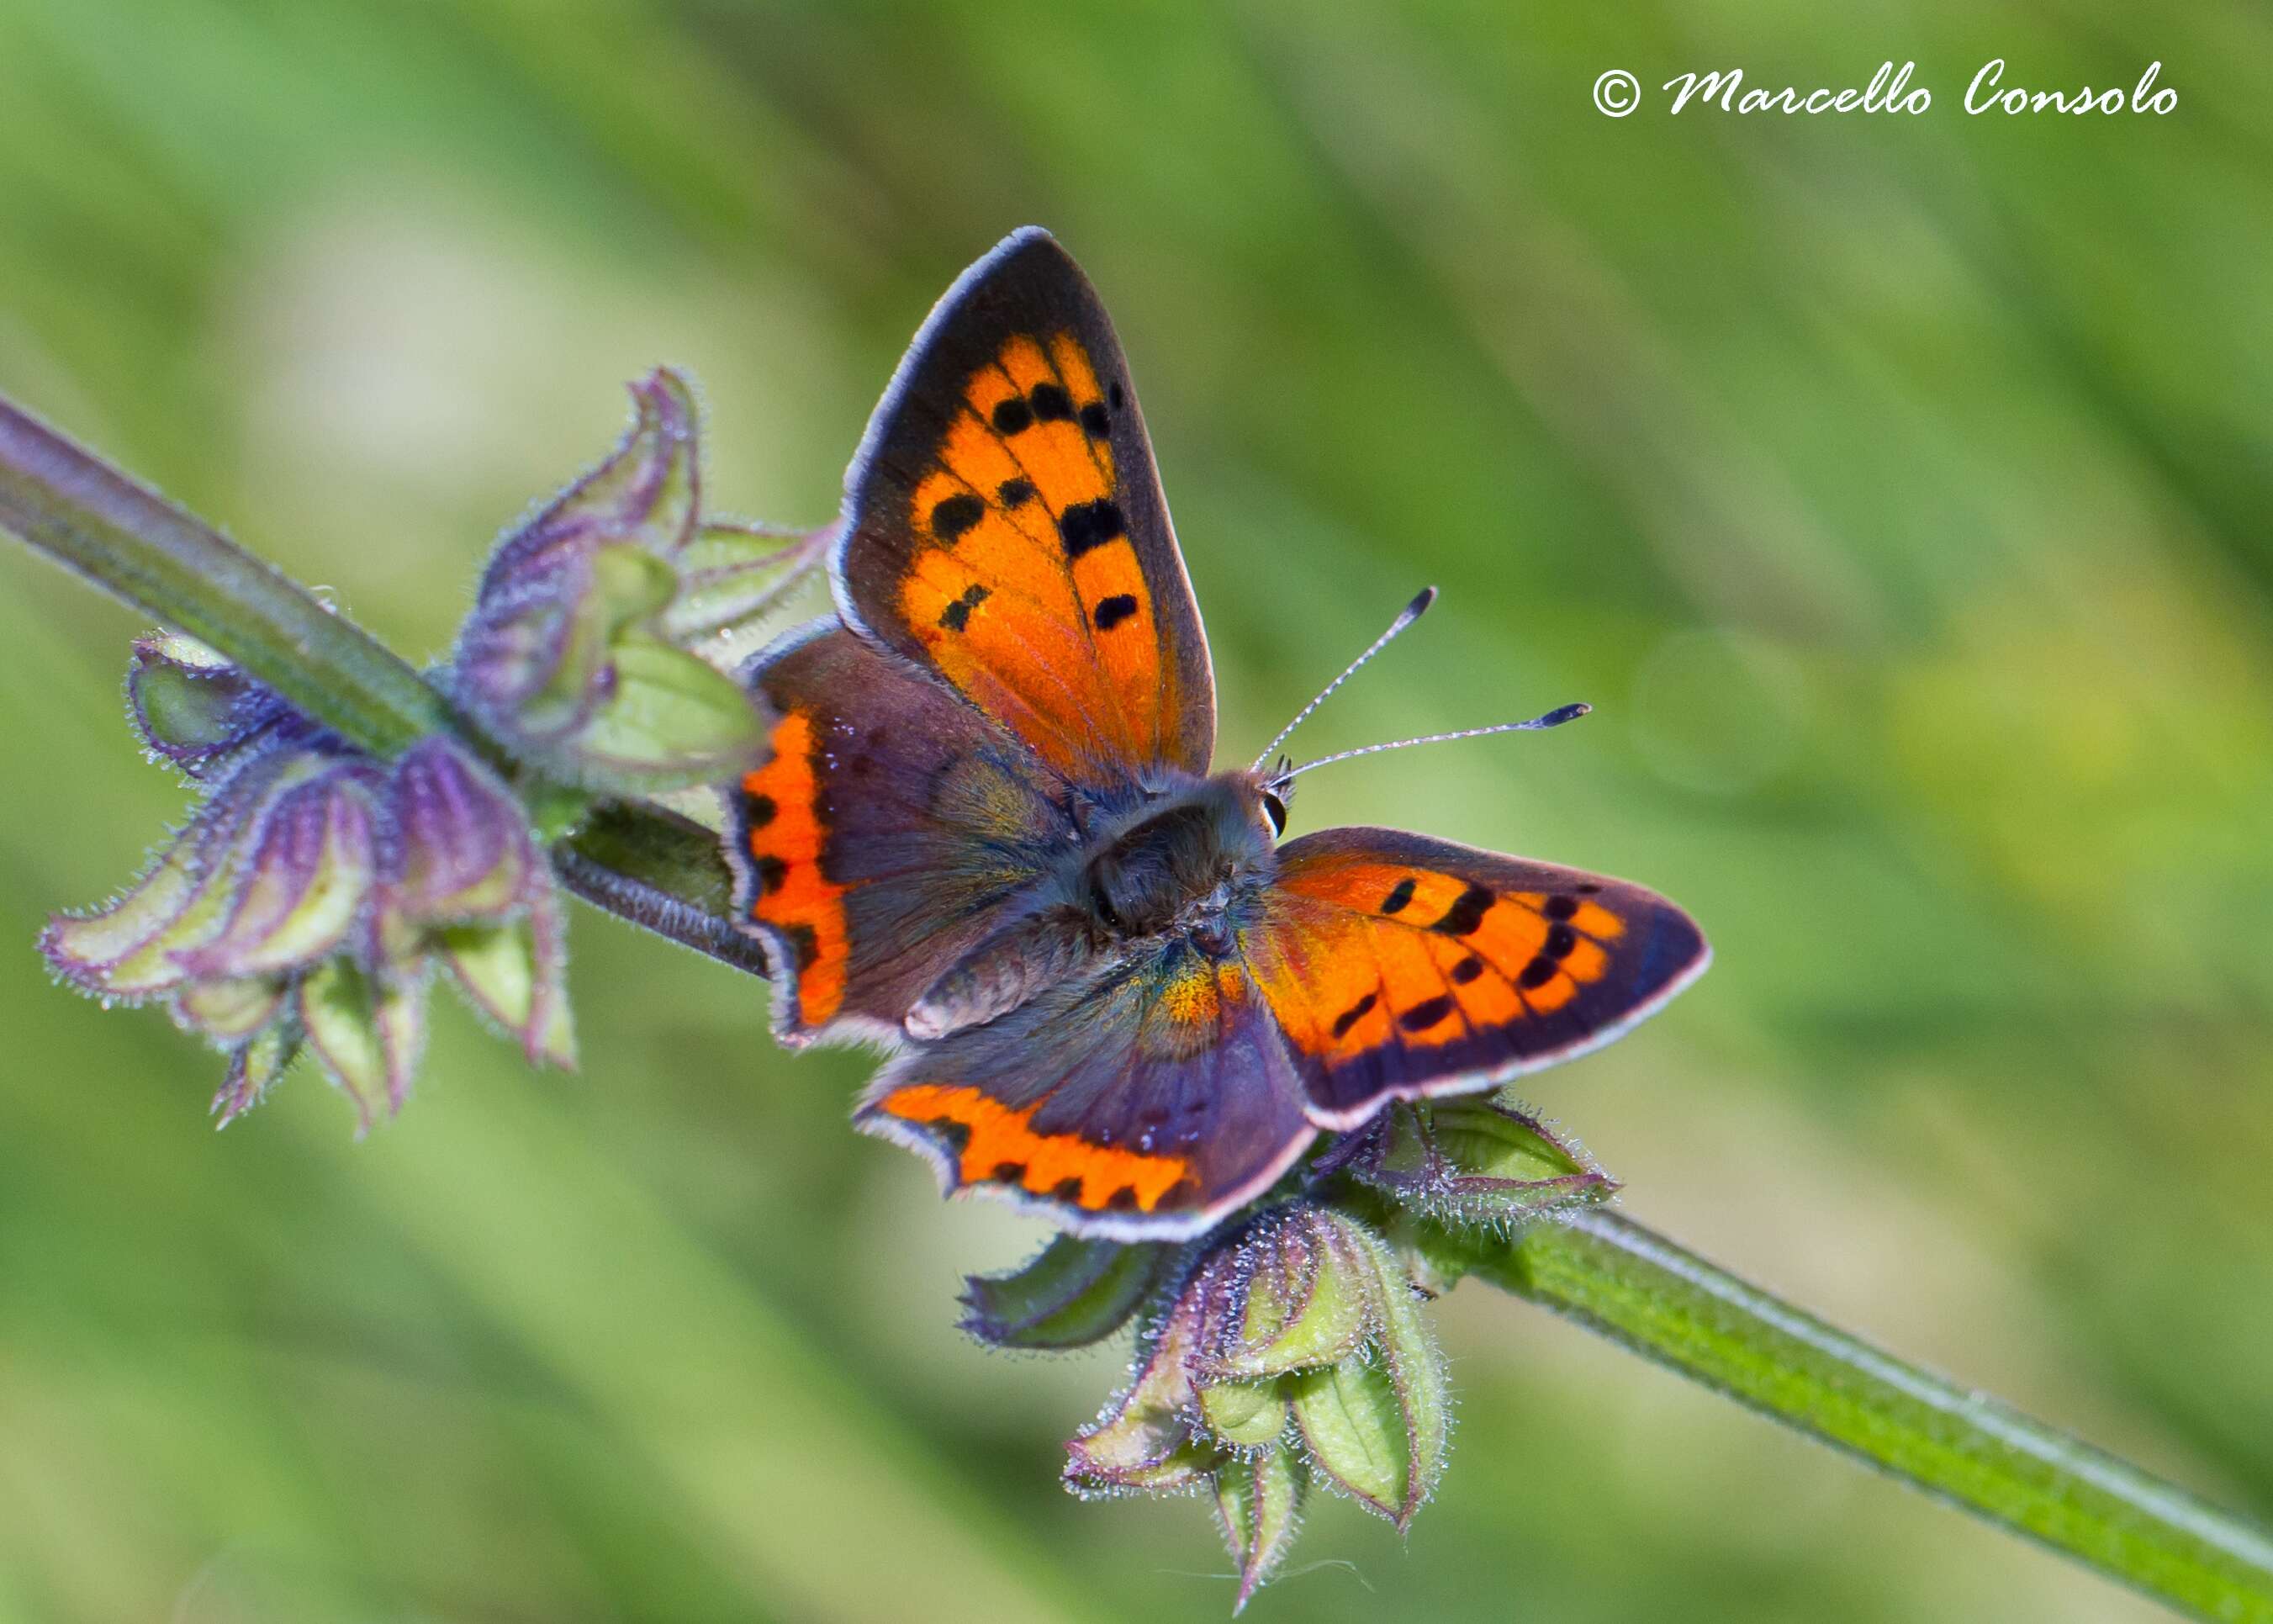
{"x":1274,"y":807}
{"x":1103,"y":906}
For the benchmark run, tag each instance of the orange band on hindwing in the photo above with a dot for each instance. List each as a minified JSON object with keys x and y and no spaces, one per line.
{"x":1001,"y":1145}
{"x":792,"y":895}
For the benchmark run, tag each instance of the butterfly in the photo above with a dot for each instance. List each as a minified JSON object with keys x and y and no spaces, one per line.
{"x":986,"y":833}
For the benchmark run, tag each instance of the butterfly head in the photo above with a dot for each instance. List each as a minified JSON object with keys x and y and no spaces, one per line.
{"x":1275,"y":791}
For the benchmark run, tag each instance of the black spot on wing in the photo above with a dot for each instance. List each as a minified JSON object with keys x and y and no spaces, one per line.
{"x":770,"y":871}
{"x":1014,"y":493}
{"x":1399,"y":896}
{"x":1560,"y":907}
{"x":1112,"y":611}
{"x":1560,"y":940}
{"x":1051,"y":403}
{"x":956,"y":615}
{"x":1538,"y":973}
{"x":1427,"y":1013}
{"x":1085,"y":525}
{"x":1096,"y":422}
{"x":804,"y":946}
{"x":1013,"y":416}
{"x":1467,"y":970}
{"x":1355,"y":1013}
{"x":954,"y":515}
{"x":1467,"y":912}
{"x":758,"y":810}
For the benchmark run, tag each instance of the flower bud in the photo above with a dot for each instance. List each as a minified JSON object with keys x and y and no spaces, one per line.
{"x":306,"y":899}
{"x":1304,"y":1299}
{"x":1076,"y":1292}
{"x":462,"y":851}
{"x":303,"y":885}
{"x":469,"y":886}
{"x":1294,"y":1351}
{"x":568,"y":656}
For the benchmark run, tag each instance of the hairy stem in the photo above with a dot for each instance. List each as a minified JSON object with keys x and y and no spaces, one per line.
{"x":127,"y":538}
{"x":1614,"y":1276}
{"x":1619,"y":1280}
{"x":662,"y":871}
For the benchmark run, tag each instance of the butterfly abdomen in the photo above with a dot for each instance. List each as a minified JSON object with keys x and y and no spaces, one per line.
{"x":1006,"y":971}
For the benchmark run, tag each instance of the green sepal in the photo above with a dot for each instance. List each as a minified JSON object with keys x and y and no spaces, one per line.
{"x":1308,"y":1301}
{"x":506,"y":975}
{"x":1477,"y":1160}
{"x":366,"y":1033}
{"x":192,"y":706}
{"x":1375,"y":1427}
{"x":1073,"y":1292}
{"x":1143,"y":1441}
{"x":670,"y":721}
{"x":253,"y":1068}
{"x":1259,"y":1505}
{"x":230,"y":1012}
{"x":1243,"y":1414}
{"x":731,"y":575}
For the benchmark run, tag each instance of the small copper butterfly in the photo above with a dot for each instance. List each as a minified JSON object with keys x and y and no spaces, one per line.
{"x":986,"y":834}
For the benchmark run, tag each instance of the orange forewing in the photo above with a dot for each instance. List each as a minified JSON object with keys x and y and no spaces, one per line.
{"x":1064,"y":648}
{"x":1399,"y":966}
{"x":1005,"y":527}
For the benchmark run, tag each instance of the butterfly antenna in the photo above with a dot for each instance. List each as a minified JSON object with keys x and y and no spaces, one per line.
{"x":1411,"y":612}
{"x":1537,"y":723}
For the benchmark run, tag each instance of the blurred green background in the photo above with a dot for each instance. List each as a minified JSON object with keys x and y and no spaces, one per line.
{"x":1897,"y":488}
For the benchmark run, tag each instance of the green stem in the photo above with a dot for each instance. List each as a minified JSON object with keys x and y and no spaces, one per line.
{"x":1639,"y":1289}
{"x":1608,"y":1274}
{"x":124,"y":536}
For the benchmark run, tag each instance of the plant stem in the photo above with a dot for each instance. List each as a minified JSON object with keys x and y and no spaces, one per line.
{"x":662,"y":871}
{"x":1639,"y":1289}
{"x":1604,"y":1271}
{"x":121,"y":536}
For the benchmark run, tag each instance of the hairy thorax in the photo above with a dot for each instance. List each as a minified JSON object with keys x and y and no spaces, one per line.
{"x":1174,"y":872}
